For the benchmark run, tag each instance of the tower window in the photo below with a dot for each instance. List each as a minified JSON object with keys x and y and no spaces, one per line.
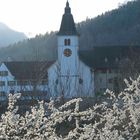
{"x":67,"y":42}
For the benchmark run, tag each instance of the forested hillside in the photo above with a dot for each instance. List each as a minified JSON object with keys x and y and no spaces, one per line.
{"x":117,"y":27}
{"x":42,"y":47}
{"x":9,"y":36}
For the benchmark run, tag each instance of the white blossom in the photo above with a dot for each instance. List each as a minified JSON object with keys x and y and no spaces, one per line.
{"x":114,"y":118}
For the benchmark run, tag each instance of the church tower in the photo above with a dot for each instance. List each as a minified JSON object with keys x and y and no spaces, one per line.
{"x":68,"y":45}
{"x":69,"y":77}
{"x":68,"y":52}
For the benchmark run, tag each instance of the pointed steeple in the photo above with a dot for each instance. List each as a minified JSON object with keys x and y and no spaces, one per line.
{"x":67,"y":24}
{"x":67,"y":8}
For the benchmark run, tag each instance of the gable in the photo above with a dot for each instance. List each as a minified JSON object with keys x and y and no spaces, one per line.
{"x":4,"y":71}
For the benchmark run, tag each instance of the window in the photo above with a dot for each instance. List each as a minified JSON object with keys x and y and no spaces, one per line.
{"x":2,"y":93}
{"x":3,"y":73}
{"x":11,"y":83}
{"x":18,"y":82}
{"x":67,"y":42}
{"x":80,"y":81}
{"x":2,"y":83}
{"x":56,"y":81}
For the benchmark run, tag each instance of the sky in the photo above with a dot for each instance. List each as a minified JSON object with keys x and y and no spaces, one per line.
{"x":40,"y":16}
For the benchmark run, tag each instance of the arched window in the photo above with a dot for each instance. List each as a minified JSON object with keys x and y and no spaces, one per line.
{"x":67,"y":42}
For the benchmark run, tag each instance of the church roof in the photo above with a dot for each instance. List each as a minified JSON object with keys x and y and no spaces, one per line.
{"x":67,"y":24}
{"x":107,"y":57}
{"x":29,"y":70}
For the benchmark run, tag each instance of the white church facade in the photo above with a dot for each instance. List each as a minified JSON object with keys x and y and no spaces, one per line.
{"x":69,"y":76}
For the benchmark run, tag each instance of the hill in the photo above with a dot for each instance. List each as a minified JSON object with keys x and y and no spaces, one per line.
{"x":9,"y":36}
{"x":119,"y":27}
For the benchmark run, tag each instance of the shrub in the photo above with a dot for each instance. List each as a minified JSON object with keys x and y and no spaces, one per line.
{"x":116,"y":117}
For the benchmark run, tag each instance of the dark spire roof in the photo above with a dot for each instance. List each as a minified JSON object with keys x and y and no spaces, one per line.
{"x":67,"y":24}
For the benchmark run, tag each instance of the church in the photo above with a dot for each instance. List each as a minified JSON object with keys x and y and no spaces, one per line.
{"x":69,"y":76}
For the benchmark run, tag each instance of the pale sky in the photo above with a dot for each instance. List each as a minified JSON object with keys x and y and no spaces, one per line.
{"x":39,"y":16}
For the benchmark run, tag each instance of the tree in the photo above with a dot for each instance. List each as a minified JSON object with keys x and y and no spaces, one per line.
{"x":129,"y":66}
{"x":114,"y":117}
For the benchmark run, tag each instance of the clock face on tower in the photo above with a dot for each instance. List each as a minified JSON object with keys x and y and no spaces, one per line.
{"x":67,"y":52}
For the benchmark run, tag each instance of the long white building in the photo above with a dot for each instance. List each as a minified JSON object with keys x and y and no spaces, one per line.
{"x":29,"y":78}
